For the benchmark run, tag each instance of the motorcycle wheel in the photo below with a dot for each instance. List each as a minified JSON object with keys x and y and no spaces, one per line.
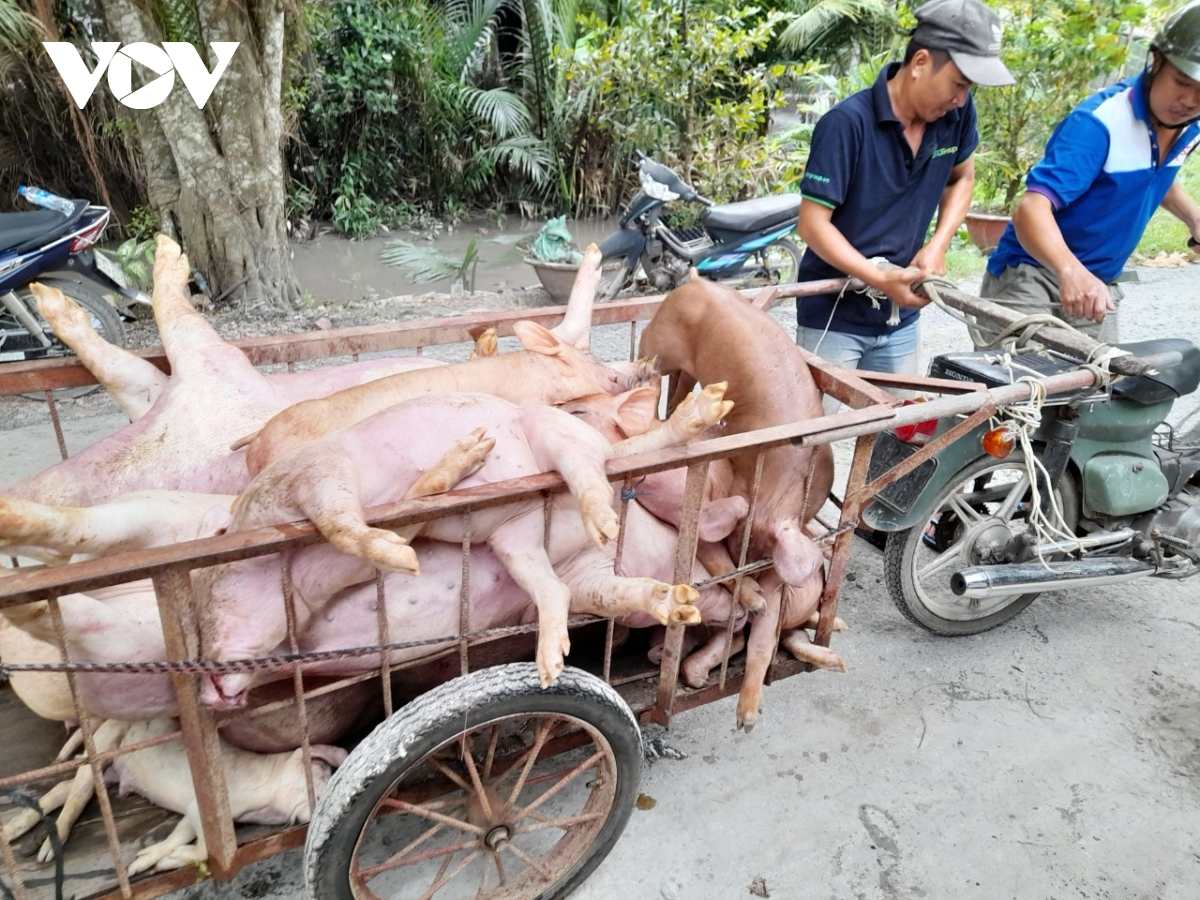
{"x":615,"y":274}
{"x":105,"y":319}
{"x":985,"y":504}
{"x":776,"y":263}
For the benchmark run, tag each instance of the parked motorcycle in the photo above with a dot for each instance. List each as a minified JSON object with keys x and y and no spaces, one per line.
{"x":965,"y":551}
{"x":742,"y":243}
{"x":58,"y":238}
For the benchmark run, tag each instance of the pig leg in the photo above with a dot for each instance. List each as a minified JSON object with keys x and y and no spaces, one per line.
{"x":801,"y":646}
{"x":486,"y":344}
{"x":333,"y":504}
{"x":518,"y":545}
{"x":27,"y":818}
{"x":658,"y":641}
{"x":760,"y":651}
{"x":697,"y":666}
{"x":192,"y":345}
{"x":716,"y":561}
{"x":132,"y":522}
{"x":691,"y":418}
{"x":811,"y":622}
{"x":576,"y":326}
{"x":107,"y":736}
{"x":578,"y":453}
{"x":611,"y":596}
{"x":132,"y":381}
{"x":184,"y":833}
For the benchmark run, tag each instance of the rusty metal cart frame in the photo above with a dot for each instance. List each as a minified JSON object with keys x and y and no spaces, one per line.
{"x":654,"y":696}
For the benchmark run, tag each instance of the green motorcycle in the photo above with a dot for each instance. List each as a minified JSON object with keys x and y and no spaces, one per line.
{"x":1103,"y":492}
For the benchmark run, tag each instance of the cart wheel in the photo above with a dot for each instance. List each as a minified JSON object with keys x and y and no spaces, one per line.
{"x":460,"y":793}
{"x":976,"y":513}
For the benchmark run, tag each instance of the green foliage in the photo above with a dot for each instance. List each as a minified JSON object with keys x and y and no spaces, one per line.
{"x":17,"y":27}
{"x":838,"y":31}
{"x":676,"y":81}
{"x":135,"y":258}
{"x":143,"y":223}
{"x":1165,"y":233}
{"x":427,"y":264}
{"x":1057,"y":50}
{"x":411,"y":104}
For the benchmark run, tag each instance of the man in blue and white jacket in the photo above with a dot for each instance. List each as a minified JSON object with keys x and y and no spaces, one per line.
{"x":1108,"y":166}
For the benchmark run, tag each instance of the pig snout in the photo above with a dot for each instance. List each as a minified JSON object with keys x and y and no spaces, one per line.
{"x":225,"y":691}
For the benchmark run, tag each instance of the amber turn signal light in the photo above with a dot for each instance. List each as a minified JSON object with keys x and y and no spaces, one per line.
{"x":997,"y":442}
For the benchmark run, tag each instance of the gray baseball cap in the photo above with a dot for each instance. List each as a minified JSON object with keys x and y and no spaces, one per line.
{"x":970,"y":32}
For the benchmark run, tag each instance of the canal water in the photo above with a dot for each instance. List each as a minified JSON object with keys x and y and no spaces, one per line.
{"x":334,"y":269}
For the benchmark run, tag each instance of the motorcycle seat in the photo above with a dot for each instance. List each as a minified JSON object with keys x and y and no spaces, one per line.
{"x":24,"y":231}
{"x":753,"y":215}
{"x":1169,"y":383}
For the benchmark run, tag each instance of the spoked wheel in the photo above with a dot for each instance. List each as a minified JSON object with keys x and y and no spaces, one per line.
{"x":976,"y":515}
{"x":467,"y":793}
{"x":776,"y":263}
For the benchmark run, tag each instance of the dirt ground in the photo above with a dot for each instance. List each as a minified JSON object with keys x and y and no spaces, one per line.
{"x":1056,"y":757}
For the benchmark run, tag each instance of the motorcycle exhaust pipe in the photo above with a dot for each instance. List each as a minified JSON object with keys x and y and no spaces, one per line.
{"x":986,"y":582}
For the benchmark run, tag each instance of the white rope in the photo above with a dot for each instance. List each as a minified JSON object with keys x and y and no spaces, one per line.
{"x":1020,"y":422}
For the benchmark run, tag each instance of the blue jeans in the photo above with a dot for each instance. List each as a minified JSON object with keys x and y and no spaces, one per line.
{"x":897,"y":353}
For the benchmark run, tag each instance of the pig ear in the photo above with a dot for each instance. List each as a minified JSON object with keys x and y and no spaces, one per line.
{"x":797,"y":556}
{"x":538,"y":339}
{"x":326,"y":753}
{"x":216,"y":520}
{"x":638,"y":410}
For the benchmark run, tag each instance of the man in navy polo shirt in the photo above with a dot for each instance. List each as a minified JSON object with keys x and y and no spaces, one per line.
{"x":1108,"y":166}
{"x":882,"y":162}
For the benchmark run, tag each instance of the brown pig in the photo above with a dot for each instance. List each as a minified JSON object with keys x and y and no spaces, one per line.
{"x":705,"y":332}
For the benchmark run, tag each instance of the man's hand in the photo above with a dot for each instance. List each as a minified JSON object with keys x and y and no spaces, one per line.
{"x":1084,"y":295}
{"x":930,"y":260}
{"x":897,"y":284}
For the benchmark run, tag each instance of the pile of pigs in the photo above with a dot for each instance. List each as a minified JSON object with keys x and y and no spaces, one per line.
{"x":217,"y":447}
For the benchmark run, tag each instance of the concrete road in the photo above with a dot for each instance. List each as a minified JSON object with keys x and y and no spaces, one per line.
{"x":1056,"y":757}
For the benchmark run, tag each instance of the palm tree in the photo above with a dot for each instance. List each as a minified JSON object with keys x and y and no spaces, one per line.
{"x":837,"y":31}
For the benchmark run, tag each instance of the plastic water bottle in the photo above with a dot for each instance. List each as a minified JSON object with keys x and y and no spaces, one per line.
{"x":44,"y":198}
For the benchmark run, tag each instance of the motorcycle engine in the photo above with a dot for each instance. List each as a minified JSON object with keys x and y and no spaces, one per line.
{"x":1178,"y":518}
{"x":667,"y":272}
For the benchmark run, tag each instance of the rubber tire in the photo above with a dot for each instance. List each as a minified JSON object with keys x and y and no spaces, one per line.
{"x":619,"y":273}
{"x":435,"y":717}
{"x":902,"y":545}
{"x":95,"y":306}
{"x":791,"y":250}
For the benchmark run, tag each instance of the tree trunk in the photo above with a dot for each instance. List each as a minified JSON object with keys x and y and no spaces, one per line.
{"x":217,"y":174}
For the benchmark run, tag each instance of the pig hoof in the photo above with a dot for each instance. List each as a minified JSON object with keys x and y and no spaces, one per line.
{"x":750,"y":599}
{"x":64,"y":315}
{"x":389,"y":551}
{"x":695,"y":676}
{"x":550,"y":660}
{"x":684,"y":612}
{"x":711,"y":405}
{"x":486,"y":344}
{"x":599,"y":520}
{"x":747,"y":714}
{"x":470,"y":453}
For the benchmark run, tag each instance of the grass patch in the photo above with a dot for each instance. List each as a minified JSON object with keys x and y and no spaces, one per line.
{"x":964,"y":262}
{"x":1165,"y":233}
